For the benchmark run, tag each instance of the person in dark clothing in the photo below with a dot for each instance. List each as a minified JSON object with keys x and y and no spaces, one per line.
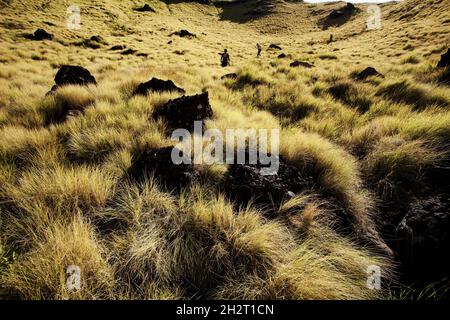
{"x":258,"y":47}
{"x":224,"y":58}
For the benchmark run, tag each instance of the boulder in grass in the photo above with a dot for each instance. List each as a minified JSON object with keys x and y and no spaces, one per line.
{"x":246,"y":183}
{"x":128,"y":52}
{"x":72,"y":75}
{"x":118,"y":47}
{"x":339,"y":17}
{"x":445,"y":77}
{"x":68,"y":74}
{"x":298,"y":63}
{"x":145,"y":8}
{"x":94,"y":42}
{"x":182,"y":112}
{"x":274,"y":47}
{"x":183,"y":34}
{"x":41,"y":34}
{"x":423,"y":237}
{"x":445,"y":60}
{"x":157,"y":85}
{"x":368,"y":72}
{"x":159,"y":163}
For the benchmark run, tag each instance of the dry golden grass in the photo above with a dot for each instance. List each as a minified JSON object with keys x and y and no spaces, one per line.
{"x":63,"y":198}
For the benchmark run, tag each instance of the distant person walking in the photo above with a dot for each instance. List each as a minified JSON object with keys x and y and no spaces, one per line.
{"x":258,"y":47}
{"x":224,"y":58}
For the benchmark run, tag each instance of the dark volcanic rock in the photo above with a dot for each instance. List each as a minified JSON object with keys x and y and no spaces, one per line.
{"x":183,"y":34}
{"x":94,"y":42}
{"x":73,"y":75}
{"x":41,"y":34}
{"x":182,"y":112}
{"x":246,"y":183}
{"x":68,"y":75}
{"x":128,"y":52}
{"x":52,"y":90}
{"x":445,"y":60}
{"x":118,"y":47}
{"x":281,"y":56}
{"x":96,"y":39}
{"x":180,"y":52}
{"x":340,"y":16}
{"x":157,"y":85}
{"x":445,"y":77}
{"x":159,"y":162}
{"x":145,"y":8}
{"x":424,"y":237}
{"x":415,"y":222}
{"x":368,"y":72}
{"x":274,"y":47}
{"x":348,"y":8}
{"x":229,"y":76}
{"x":298,"y":63}
{"x":445,"y":63}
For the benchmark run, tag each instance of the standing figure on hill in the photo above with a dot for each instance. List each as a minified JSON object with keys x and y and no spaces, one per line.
{"x":258,"y":47}
{"x":224,"y":58}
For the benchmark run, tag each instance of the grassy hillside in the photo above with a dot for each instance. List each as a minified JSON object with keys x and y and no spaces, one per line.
{"x":373,"y":148}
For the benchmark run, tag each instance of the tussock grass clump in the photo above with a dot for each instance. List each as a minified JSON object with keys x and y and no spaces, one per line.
{"x":68,"y":100}
{"x":334,"y":168}
{"x":251,"y":76}
{"x":338,"y":178}
{"x":321,"y":267}
{"x":396,"y":166}
{"x":39,"y":198}
{"x":195,"y":242}
{"x":200,"y":244}
{"x":142,"y":212}
{"x":118,"y":163}
{"x":434,"y":127}
{"x":69,"y":188}
{"x":41,"y":272}
{"x":352,"y":95}
{"x":215,"y":242}
{"x":20,"y":145}
{"x":95,"y":144}
{"x":430,"y":128}
{"x":361,"y":140}
{"x":419,"y":96}
{"x":288,"y":101}
{"x":411,"y":59}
